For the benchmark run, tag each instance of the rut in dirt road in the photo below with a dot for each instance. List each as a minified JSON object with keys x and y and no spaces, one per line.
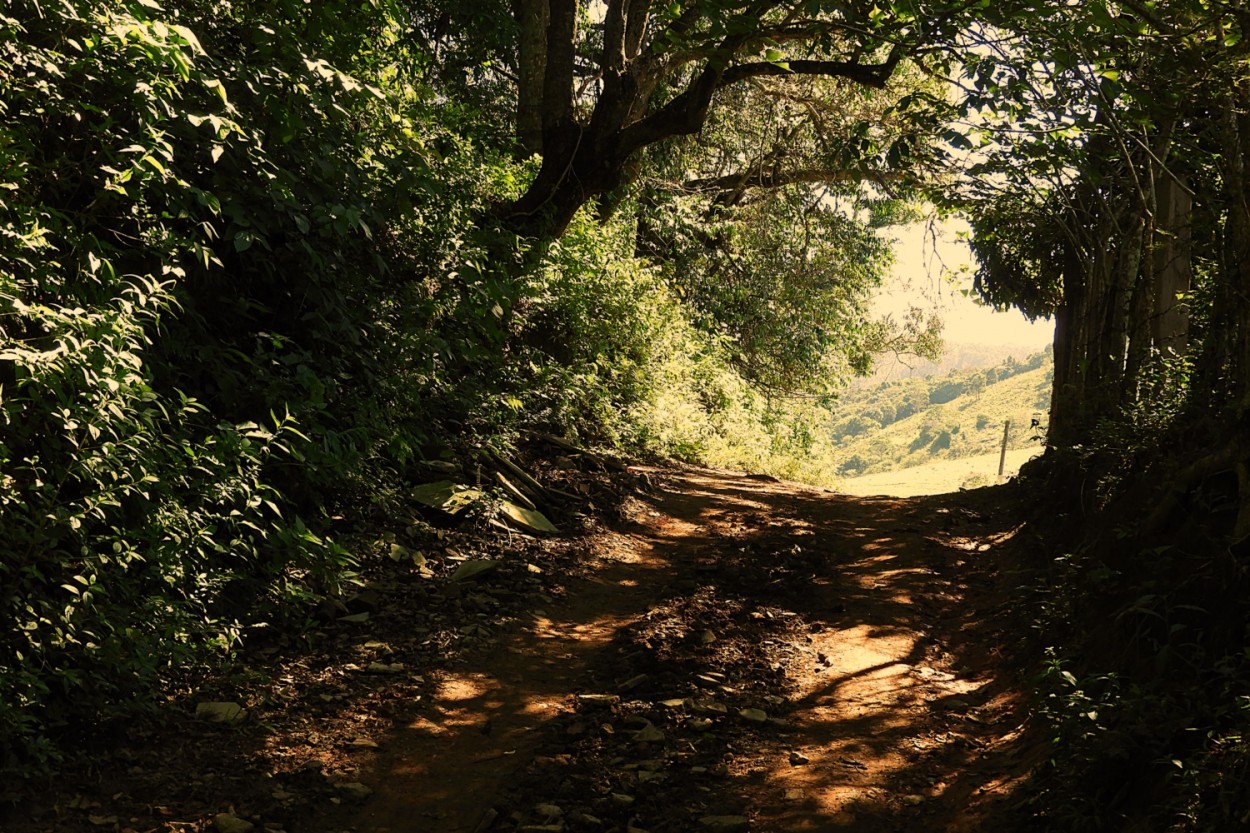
{"x":747,"y":655}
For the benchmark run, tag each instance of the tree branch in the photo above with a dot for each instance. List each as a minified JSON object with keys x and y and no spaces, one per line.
{"x":561,"y":61}
{"x":776,"y":179}
{"x":868,"y":75}
{"x":614,"y":25}
{"x":636,"y":17}
{"x":687,"y":113}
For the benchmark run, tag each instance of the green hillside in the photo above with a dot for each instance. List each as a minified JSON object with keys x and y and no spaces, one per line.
{"x":911,"y":422}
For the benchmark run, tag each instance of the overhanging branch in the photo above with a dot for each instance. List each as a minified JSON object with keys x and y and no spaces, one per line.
{"x":868,"y":75}
{"x":687,"y":113}
{"x":777,"y":179}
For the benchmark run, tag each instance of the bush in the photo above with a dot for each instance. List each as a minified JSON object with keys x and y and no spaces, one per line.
{"x":184,"y":359}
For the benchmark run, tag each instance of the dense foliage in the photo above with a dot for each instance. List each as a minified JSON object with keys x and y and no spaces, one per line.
{"x":254,"y":268}
{"x":1109,"y":190}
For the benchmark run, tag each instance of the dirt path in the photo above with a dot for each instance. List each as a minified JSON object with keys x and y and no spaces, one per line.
{"x":744,"y":655}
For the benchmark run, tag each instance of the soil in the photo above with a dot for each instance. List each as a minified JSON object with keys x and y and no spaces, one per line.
{"x":711,"y":651}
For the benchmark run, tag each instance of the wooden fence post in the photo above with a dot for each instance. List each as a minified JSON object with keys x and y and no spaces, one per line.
{"x":1002,"y":456}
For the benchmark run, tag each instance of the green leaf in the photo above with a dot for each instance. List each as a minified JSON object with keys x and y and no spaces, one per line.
{"x":219,"y":88}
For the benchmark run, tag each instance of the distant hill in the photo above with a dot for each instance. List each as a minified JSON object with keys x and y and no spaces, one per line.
{"x":921,"y":419}
{"x":955,"y":358}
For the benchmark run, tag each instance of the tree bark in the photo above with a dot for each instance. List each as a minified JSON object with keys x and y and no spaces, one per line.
{"x":1172,"y":260}
{"x":532,"y":17}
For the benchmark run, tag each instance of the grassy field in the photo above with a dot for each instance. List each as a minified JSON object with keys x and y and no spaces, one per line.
{"x":939,"y":477}
{"x":958,"y":431}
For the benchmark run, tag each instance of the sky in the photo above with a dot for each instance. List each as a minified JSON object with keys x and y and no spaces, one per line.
{"x":932,"y":266}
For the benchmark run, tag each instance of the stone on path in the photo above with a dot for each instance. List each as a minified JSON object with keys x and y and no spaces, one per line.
{"x":475,"y":568}
{"x":230,"y":823}
{"x":354,"y":789}
{"x":220,"y":712}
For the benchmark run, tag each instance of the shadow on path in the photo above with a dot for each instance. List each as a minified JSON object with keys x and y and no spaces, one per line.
{"x":862,"y":637}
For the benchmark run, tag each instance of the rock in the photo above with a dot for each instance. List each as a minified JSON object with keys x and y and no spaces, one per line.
{"x":597,"y":699}
{"x":648,"y":734}
{"x":220,"y":712}
{"x":530,"y":520}
{"x":448,"y":496}
{"x":487,"y":820}
{"x":700,"y":724}
{"x":473,"y":569}
{"x":795,"y":795}
{"x":913,"y":800}
{"x":709,"y":707}
{"x":632,"y":682}
{"x":362,"y":743}
{"x":754,"y":715}
{"x":514,"y":491}
{"x":354,"y":790}
{"x":384,"y":668}
{"x":548,"y":811}
{"x":622,"y":800}
{"x":725,"y":824}
{"x":230,"y":823}
{"x":799,"y":759}
{"x":541,"y":828}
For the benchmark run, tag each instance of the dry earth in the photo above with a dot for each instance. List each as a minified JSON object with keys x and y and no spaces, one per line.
{"x":733,"y":654}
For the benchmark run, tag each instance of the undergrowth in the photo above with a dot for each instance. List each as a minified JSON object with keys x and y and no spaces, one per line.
{"x":249,"y":281}
{"x":1144,"y":693}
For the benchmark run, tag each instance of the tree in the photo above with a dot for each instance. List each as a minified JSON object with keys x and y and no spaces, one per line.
{"x":1113,"y":196}
{"x":640,"y":74}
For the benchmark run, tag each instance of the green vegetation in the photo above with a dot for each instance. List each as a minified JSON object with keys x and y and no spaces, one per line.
{"x":913,"y":421}
{"x":261,"y":262}
{"x":1110,"y":192}
{"x":257,"y":264}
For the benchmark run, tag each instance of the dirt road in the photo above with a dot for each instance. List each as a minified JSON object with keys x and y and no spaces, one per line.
{"x":732,"y":654}
{"x":743,"y":655}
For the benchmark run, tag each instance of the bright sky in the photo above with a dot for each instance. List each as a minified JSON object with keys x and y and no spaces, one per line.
{"x":931,"y":266}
